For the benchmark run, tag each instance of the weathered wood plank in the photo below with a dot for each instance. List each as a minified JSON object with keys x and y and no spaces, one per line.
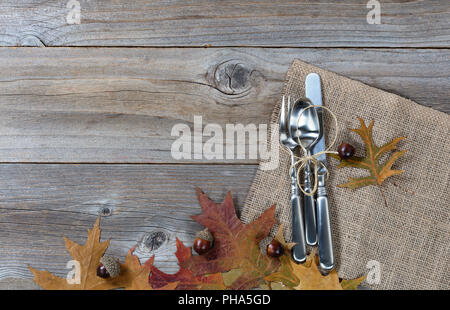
{"x":120,"y":104}
{"x":225,"y":23}
{"x":18,"y":284}
{"x":39,"y":203}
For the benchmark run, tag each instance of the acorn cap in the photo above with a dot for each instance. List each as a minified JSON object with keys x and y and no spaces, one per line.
{"x":205,"y":235}
{"x":111,"y":264}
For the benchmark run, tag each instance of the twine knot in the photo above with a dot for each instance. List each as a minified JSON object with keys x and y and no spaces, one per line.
{"x":301,"y":162}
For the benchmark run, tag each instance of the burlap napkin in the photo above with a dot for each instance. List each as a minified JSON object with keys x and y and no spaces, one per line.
{"x":411,"y":237}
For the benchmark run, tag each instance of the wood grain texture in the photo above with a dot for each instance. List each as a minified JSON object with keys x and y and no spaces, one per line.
{"x":40,"y":203}
{"x":305,"y":23}
{"x":118,"y":105}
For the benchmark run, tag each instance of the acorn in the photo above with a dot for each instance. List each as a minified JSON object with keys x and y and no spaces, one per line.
{"x":275,"y":248}
{"x":203,"y":241}
{"x":109,"y":267}
{"x":346,"y":150}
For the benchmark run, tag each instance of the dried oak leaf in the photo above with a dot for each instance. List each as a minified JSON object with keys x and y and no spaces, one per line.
{"x":378,"y":172}
{"x":310,"y":277}
{"x":285,"y":273}
{"x":236,"y":245}
{"x":88,"y":255}
{"x":307,"y":276}
{"x":185,"y":278}
{"x":352,"y":284}
{"x":138,"y":274}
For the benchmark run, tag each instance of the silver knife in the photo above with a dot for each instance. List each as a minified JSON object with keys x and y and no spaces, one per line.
{"x":313,"y":90}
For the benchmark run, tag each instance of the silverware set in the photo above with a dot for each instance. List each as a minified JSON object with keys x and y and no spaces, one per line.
{"x":310,"y":215}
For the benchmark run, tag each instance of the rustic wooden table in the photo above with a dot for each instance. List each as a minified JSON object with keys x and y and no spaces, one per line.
{"x":86,"y":110}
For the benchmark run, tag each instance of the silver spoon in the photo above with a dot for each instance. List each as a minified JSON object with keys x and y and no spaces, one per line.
{"x":306,"y":128}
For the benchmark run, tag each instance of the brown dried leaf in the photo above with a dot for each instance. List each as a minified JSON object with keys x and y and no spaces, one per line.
{"x":280,"y":237}
{"x":310,"y":277}
{"x":88,"y":255}
{"x":137,"y":274}
{"x":132,"y":273}
{"x":307,"y":276}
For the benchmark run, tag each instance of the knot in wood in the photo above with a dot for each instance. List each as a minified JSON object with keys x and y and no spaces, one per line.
{"x":232,"y":77}
{"x":105,"y":211}
{"x":152,"y":241}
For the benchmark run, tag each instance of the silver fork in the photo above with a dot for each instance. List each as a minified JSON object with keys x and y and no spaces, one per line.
{"x":298,"y":230}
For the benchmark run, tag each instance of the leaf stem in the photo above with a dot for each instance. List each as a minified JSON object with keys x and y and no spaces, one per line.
{"x":384,"y":197}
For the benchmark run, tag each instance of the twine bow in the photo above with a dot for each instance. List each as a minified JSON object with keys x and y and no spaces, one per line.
{"x":303,"y":161}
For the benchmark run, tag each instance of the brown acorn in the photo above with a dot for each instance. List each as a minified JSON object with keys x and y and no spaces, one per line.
{"x":346,"y":150}
{"x":109,"y":267}
{"x":275,"y":248}
{"x":203,"y":241}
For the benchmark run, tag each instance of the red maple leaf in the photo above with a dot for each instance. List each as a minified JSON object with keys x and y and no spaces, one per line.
{"x":236,"y":245}
{"x":185,"y":278}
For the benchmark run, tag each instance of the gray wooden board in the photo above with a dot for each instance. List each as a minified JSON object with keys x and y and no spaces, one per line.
{"x":108,"y":105}
{"x":39,"y":203}
{"x":225,"y":23}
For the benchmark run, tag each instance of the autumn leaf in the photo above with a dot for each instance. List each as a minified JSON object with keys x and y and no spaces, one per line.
{"x":352,"y":284}
{"x":310,"y":277}
{"x":378,"y":172}
{"x":236,"y":245}
{"x":306,"y":276}
{"x":136,"y":275}
{"x":371,"y":162}
{"x":285,"y":273}
{"x":88,"y":255}
{"x":280,"y":238}
{"x":185,"y":278}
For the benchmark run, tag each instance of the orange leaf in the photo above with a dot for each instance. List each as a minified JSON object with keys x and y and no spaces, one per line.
{"x":307,"y":276}
{"x":136,"y":275}
{"x":310,"y":277}
{"x":88,"y":256}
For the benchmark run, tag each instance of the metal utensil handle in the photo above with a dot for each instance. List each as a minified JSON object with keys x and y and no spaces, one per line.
{"x":326,"y":256}
{"x":298,"y":230}
{"x":310,"y":210}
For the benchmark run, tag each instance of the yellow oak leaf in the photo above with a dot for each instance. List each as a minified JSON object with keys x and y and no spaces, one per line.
{"x":132,"y":275}
{"x":310,"y":277}
{"x":307,"y":276}
{"x":280,"y":237}
{"x":88,"y":256}
{"x":136,"y":275}
{"x":352,"y":284}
